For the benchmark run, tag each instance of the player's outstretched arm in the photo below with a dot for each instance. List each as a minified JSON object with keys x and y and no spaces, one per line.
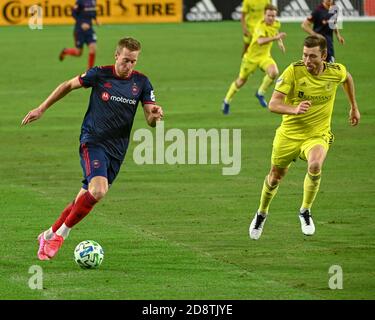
{"x":264,"y":40}
{"x":354,"y":115}
{"x":62,"y":90}
{"x":153,"y":113}
{"x":307,"y":27}
{"x":277,"y":105}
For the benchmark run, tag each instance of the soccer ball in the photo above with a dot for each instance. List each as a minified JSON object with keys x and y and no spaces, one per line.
{"x":88,"y":254}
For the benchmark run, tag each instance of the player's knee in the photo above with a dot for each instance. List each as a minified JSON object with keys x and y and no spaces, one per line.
{"x":99,"y":192}
{"x":273,"y":74}
{"x":240,"y":82}
{"x":274,"y":178}
{"x":314,"y":167}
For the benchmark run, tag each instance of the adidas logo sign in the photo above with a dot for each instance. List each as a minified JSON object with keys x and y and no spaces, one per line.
{"x":346,"y":8}
{"x":236,"y":15}
{"x":296,"y":8}
{"x":204,"y":11}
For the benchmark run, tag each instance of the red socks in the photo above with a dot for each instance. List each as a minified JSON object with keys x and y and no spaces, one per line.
{"x":72,"y":52}
{"x":91,"y":60}
{"x":62,"y":217}
{"x":81,"y":209}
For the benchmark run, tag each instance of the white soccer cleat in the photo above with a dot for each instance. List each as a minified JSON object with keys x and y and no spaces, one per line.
{"x":256,"y":226}
{"x":307,"y":223}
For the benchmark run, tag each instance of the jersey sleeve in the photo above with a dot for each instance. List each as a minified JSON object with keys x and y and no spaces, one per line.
{"x":89,"y":78}
{"x":147,"y":96}
{"x":244,"y":7}
{"x":313,"y":16}
{"x":260,"y":31}
{"x":343,"y":73}
{"x":285,"y":82}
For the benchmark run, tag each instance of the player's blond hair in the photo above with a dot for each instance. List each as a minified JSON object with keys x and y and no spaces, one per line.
{"x":128,"y":43}
{"x":270,"y":7}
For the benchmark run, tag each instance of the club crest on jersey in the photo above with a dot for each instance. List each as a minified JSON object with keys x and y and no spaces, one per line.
{"x":96,"y":164}
{"x":329,"y":86}
{"x":106,"y":96}
{"x":135,"y":89}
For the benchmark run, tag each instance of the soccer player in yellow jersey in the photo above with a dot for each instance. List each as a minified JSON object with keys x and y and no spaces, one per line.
{"x":304,"y":94}
{"x":252,"y":13}
{"x":259,"y":55}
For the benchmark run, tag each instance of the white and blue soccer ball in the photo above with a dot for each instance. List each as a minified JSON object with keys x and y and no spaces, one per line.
{"x":89,"y":254}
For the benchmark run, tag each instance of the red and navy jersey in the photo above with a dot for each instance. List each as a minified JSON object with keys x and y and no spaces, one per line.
{"x":84,"y":11}
{"x":112,"y":107}
{"x":323,"y":20}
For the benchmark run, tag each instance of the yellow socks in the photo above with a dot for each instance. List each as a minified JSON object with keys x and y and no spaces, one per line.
{"x":266,"y":83}
{"x":268,"y":192}
{"x":310,"y":188}
{"x":231,"y":92}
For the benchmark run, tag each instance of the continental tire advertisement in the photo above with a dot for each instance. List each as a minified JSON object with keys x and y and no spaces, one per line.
{"x":21,"y":12}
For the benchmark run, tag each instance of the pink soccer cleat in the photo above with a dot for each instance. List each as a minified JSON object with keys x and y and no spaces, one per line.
{"x":52,"y":246}
{"x":41,"y":253}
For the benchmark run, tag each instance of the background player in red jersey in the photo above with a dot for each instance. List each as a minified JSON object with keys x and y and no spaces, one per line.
{"x":84,"y":12}
{"x":105,"y":133}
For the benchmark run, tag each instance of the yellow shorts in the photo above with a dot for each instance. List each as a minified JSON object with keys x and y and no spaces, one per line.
{"x":248,"y":67}
{"x":285,"y":150}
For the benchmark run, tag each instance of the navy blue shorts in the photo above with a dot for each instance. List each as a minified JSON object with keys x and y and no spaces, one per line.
{"x":95,"y":161}
{"x":81,"y":37}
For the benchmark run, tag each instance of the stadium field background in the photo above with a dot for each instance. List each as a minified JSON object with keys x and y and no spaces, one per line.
{"x":181,"y":231}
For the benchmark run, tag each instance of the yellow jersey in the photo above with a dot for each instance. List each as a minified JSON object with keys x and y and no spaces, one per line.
{"x":262,"y":30}
{"x":254,"y":12}
{"x":300,"y":85}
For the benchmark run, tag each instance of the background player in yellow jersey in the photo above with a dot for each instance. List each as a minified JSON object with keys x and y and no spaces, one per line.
{"x":304,"y":94}
{"x":252,"y":13}
{"x":258,"y":55}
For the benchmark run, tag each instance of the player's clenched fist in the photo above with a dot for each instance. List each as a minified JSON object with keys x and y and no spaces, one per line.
{"x":303,"y":107}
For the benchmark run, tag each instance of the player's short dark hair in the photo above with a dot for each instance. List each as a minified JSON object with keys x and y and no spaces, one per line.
{"x":128,"y":43}
{"x":316,"y":41}
{"x":270,"y":7}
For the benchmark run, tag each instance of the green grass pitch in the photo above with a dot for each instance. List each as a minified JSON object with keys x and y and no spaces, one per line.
{"x":181,"y":231}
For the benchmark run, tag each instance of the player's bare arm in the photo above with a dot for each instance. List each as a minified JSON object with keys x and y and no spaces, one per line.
{"x":277,"y":105}
{"x":244,"y":26}
{"x":62,"y":90}
{"x":265,"y":40}
{"x":281,"y":45}
{"x":153,"y":113}
{"x":339,"y":37}
{"x":354,"y":114}
{"x":307,"y":27}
